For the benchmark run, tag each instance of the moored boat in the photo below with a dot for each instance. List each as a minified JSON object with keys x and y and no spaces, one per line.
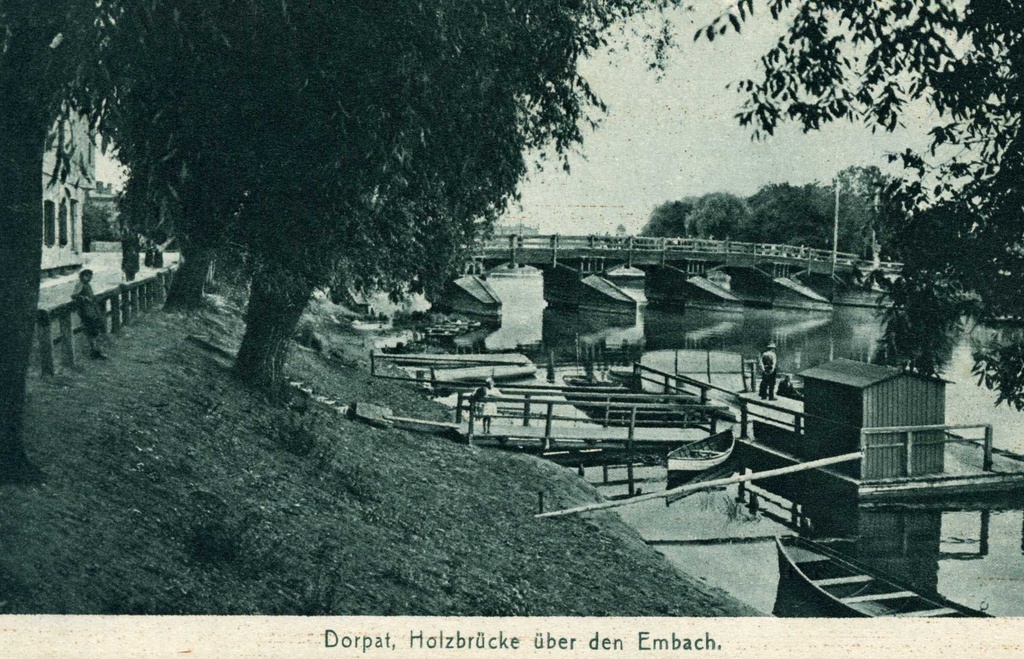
{"x":583,"y":382}
{"x":701,"y":455}
{"x":835,"y":585}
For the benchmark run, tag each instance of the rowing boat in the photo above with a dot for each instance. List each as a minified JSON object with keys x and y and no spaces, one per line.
{"x":701,"y":455}
{"x":837,"y":586}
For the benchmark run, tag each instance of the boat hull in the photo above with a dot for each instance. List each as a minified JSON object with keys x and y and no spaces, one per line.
{"x":815,"y":578}
{"x":702,"y":455}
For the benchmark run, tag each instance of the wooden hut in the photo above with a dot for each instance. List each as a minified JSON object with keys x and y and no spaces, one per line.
{"x":842,"y":397}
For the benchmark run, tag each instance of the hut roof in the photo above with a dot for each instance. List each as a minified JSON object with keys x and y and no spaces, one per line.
{"x":852,"y":374}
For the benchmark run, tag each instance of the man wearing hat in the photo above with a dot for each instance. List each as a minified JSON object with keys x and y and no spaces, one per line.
{"x":769,"y":364}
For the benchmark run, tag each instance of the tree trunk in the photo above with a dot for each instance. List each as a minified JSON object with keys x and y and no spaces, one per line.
{"x":21,"y":222}
{"x":189,"y":281}
{"x":276,"y":302}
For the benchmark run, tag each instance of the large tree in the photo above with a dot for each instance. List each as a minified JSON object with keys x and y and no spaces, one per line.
{"x":670,"y":219}
{"x":963,"y":240}
{"x":180,"y":112}
{"x":382,"y":143}
{"x":718,"y":215}
{"x":44,"y":49}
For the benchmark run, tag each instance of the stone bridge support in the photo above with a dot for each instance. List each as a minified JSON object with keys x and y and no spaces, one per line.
{"x":581,"y":290}
{"x":669,"y":287}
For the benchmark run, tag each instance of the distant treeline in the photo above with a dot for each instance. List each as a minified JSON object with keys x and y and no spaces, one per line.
{"x":790,"y":214}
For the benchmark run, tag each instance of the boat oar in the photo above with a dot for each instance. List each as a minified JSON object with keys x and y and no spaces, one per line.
{"x":693,"y":487}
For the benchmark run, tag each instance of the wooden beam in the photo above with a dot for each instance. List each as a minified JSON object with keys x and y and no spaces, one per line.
{"x":693,"y":487}
{"x":926,"y":613}
{"x":835,"y":581}
{"x":899,"y":594}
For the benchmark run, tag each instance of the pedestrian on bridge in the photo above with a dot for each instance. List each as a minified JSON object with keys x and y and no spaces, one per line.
{"x":769,"y":370}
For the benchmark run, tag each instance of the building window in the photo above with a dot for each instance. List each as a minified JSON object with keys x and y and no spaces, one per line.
{"x":76,"y":222}
{"x":63,"y":216}
{"x":49,"y":223}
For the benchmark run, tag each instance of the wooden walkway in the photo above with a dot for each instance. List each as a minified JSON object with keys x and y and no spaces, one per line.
{"x":587,"y":434}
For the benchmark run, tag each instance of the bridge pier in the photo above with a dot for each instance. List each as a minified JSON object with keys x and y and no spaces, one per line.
{"x":472,"y":295}
{"x":758,"y":288}
{"x":579,"y":290}
{"x":669,"y":287}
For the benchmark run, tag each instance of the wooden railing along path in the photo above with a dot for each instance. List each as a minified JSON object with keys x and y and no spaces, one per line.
{"x":57,"y":325}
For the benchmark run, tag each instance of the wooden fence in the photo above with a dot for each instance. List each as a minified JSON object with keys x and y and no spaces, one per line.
{"x":57,"y":326}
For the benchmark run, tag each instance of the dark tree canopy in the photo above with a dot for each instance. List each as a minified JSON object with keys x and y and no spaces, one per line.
{"x":669,"y":219}
{"x":789,"y":214}
{"x":336,"y":143}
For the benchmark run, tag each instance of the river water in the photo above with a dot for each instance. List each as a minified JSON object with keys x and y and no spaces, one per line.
{"x":970,"y":552}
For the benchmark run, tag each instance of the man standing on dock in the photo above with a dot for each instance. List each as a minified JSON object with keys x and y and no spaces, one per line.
{"x":769,"y":364}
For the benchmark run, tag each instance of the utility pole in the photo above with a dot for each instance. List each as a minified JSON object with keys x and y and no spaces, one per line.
{"x":835,"y":234}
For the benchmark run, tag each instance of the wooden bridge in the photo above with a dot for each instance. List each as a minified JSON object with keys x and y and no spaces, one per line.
{"x":594,"y":251}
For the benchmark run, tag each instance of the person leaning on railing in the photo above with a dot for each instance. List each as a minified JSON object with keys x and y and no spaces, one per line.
{"x":89,"y":311}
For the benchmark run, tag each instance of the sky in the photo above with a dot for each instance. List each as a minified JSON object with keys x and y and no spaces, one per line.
{"x":678,"y":137}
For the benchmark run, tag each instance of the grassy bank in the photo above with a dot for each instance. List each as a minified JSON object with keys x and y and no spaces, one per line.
{"x":171,"y":489}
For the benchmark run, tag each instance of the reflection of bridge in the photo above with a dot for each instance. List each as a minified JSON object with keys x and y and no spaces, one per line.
{"x":595,"y":272}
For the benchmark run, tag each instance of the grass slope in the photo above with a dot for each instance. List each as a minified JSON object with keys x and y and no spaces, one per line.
{"x":170,"y":489}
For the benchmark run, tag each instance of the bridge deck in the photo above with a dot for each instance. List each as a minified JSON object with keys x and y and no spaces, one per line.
{"x":645,"y":250}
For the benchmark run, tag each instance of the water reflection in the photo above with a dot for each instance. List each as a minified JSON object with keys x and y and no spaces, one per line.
{"x":970,"y":553}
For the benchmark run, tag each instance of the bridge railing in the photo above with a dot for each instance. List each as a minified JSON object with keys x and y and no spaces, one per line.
{"x":646,"y":244}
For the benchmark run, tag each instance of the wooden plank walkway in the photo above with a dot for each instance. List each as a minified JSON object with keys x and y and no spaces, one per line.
{"x":584,"y":433}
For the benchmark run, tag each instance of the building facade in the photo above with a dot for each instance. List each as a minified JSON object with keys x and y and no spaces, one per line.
{"x":64,"y":200}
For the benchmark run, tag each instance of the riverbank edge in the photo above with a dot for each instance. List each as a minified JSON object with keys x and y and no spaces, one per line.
{"x":169,"y":489}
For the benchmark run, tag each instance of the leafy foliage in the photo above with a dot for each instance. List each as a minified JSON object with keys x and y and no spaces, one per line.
{"x":874,"y":62}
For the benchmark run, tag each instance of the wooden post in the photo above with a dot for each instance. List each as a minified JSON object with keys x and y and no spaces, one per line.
{"x":986,"y":464}
{"x":45,"y":338}
{"x":161,"y":288}
{"x":472,"y":424}
{"x":607,"y":411}
{"x":986,"y":518}
{"x":581,"y":471}
{"x":547,"y":426}
{"x":744,"y":420}
{"x":744,"y":489}
{"x":126,"y":305}
{"x":67,"y":337}
{"x":797,"y":424}
{"x":115,"y":313}
{"x":526,"y":411}
{"x":665,"y":388}
{"x":460,"y":399}
{"x":136,"y":301}
{"x":794,"y":515}
{"x":754,"y":505}
{"x":709,"y":365}
{"x":144,"y":296}
{"x":604,"y":473}
{"x":676,"y":367}
{"x":703,"y":396}
{"x":714,"y":425}
{"x":910,"y":453}
{"x":629,"y":451}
